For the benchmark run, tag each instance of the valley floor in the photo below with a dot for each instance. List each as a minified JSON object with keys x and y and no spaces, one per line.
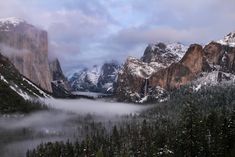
{"x":64,"y":121}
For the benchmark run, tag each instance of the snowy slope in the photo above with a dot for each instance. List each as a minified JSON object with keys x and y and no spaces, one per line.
{"x":141,"y":69}
{"x":164,"y":53}
{"x":7,"y":23}
{"x":9,"y":76}
{"x":212,"y":79}
{"x":28,"y":93}
{"x":86,"y":79}
{"x":156,"y":56}
{"x":96,"y":79}
{"x":228,"y":40}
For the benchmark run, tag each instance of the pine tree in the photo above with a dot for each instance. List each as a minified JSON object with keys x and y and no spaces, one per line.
{"x":100,"y":153}
{"x":190,"y":131}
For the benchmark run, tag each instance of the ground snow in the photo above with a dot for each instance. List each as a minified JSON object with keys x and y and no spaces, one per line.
{"x":228,"y":40}
{"x":20,"y":92}
{"x":2,"y":78}
{"x":39,"y":90}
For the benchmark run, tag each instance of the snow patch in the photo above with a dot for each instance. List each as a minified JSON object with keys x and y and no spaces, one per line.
{"x":20,"y":92}
{"x":141,"y":69}
{"x":3,"y":79}
{"x":39,"y":90}
{"x":212,"y":78}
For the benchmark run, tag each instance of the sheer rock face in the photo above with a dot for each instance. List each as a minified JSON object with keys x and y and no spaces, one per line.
{"x":60,"y":85}
{"x":181,"y":73}
{"x":27,"y":48}
{"x":56,"y":71}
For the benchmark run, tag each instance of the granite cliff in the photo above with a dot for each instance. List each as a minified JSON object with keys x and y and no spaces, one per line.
{"x":162,"y":69}
{"x":27,"y":48}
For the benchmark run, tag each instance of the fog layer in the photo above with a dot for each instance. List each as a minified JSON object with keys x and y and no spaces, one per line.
{"x":97,"y":107}
{"x":66,"y":120}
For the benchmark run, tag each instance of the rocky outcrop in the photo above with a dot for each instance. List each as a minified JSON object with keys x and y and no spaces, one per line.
{"x":60,"y":85}
{"x":220,"y":57}
{"x":27,"y":48}
{"x":56,"y":71}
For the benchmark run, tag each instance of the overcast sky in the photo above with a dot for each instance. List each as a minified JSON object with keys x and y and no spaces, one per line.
{"x":87,"y":32}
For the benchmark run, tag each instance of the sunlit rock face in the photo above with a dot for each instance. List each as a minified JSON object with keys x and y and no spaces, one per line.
{"x":27,"y":48}
{"x":181,"y":73}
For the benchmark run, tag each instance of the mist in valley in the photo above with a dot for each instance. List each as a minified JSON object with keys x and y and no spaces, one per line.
{"x":65,"y":120}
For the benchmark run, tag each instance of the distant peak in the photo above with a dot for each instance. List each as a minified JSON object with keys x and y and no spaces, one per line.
{"x":229,"y":39}
{"x":164,"y":45}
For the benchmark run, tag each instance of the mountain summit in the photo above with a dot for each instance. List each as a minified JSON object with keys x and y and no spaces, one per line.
{"x":228,"y":40}
{"x":6,"y":24}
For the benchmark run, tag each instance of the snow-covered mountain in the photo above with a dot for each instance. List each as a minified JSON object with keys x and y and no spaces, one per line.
{"x":27,"y":48}
{"x":165,"y":67}
{"x":228,"y":40}
{"x":132,"y":78}
{"x":164,"y":53}
{"x":95,"y":79}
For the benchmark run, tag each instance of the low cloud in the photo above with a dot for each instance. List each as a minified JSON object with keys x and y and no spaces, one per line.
{"x":9,"y":51}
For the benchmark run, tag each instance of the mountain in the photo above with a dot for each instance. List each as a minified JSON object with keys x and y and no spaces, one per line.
{"x":86,"y":79}
{"x":96,"y":79}
{"x":133,"y":77}
{"x":60,"y":85}
{"x":164,"y":53}
{"x":16,"y":91}
{"x":140,"y":81}
{"x":228,"y":40}
{"x":27,"y":48}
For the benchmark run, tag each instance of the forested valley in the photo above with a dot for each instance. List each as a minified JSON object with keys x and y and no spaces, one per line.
{"x":188,"y":124}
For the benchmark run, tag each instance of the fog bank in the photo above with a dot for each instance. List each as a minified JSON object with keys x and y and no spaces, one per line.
{"x":97,"y":107}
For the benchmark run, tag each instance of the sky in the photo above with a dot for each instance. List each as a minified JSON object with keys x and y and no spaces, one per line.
{"x":87,"y":32}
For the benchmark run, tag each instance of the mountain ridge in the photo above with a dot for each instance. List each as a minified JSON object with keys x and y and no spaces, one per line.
{"x":213,"y":60}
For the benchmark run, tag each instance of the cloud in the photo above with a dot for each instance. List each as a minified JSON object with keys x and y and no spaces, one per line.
{"x":83,"y":33}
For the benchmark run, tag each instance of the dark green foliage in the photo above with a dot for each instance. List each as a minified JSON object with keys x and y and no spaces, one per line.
{"x":190,"y":124}
{"x":11,"y":102}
